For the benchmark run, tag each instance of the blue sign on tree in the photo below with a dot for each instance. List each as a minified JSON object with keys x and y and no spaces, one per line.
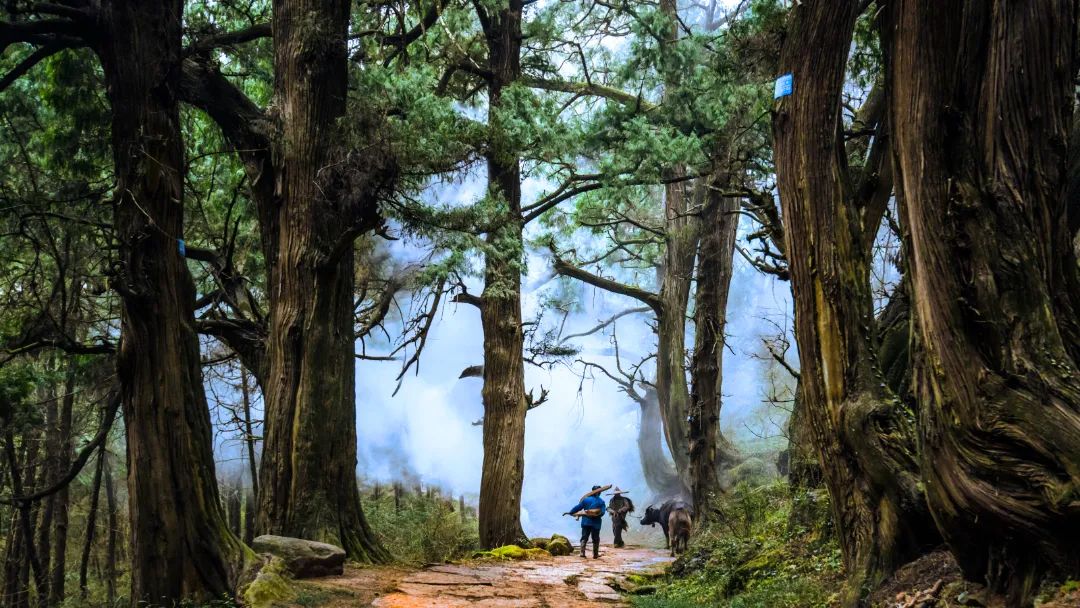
{"x":784,"y":85}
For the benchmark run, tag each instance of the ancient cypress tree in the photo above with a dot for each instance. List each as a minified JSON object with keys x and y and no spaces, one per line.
{"x":181,"y":547}
{"x":982,"y":111}
{"x":504,"y":400}
{"x":315,"y":194}
{"x":863,"y":435}
{"x":325,"y":199}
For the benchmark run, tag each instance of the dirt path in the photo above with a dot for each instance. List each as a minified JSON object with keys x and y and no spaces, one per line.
{"x":559,"y":582}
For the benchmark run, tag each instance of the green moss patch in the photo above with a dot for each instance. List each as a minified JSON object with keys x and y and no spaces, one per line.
{"x":271,"y":587}
{"x":512,"y":552}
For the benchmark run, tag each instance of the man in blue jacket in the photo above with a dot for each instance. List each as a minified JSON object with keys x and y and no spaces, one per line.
{"x":591,"y":509}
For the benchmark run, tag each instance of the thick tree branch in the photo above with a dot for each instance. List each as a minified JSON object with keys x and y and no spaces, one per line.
{"x":566,"y":269}
{"x":589,"y":88}
{"x":228,"y":39}
{"x":33,"y":59}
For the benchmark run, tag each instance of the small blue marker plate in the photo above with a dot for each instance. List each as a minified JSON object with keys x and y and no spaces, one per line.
{"x":183,"y":249}
{"x":784,"y":85}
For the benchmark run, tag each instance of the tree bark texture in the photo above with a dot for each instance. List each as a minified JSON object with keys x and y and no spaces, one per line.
{"x":982,"y":114}
{"x":503,"y":392}
{"x":307,"y":481}
{"x":680,"y":245}
{"x":709,"y":450}
{"x":864,"y":437}
{"x":180,"y":546}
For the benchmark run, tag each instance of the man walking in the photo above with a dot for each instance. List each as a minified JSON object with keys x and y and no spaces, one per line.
{"x":621,"y":506}
{"x":591,"y":510}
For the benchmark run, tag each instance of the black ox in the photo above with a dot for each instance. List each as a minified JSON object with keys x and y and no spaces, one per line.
{"x":662,"y":516}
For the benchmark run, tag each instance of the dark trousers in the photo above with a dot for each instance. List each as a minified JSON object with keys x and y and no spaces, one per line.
{"x":586,"y":532}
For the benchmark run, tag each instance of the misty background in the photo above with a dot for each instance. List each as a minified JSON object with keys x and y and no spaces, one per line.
{"x":586,"y":432}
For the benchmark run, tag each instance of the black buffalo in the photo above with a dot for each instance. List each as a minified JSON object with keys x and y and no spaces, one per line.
{"x":662,"y":515}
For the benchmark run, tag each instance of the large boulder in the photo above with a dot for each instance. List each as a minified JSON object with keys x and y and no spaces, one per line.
{"x":302,"y":558}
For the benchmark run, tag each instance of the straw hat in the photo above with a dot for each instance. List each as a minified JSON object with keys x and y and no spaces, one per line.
{"x":618,"y":491}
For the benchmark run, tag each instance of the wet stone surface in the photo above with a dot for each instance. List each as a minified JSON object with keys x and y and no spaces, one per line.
{"x":556,"y":582}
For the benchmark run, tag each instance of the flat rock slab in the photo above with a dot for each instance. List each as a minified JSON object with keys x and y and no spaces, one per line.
{"x":569,"y":582}
{"x":303,"y":558}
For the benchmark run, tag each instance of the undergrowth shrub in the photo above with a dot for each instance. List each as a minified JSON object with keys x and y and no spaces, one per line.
{"x":757,"y":555}
{"x":421,"y":528}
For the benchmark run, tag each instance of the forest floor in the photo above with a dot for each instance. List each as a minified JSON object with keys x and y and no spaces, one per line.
{"x":556,"y":582}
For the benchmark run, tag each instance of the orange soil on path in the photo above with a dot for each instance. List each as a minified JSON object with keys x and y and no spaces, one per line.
{"x":557,"y":582}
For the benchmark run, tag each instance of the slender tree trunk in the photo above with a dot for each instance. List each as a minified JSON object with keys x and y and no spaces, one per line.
{"x":709,"y":450}
{"x":60,"y":506}
{"x":249,"y":433}
{"x":500,"y":311}
{"x":657,"y":468}
{"x":181,"y":547}
{"x":30,"y":561}
{"x":982,"y":116}
{"x":250,"y":506}
{"x":307,"y":484}
{"x":112,"y":528}
{"x":233,"y":508}
{"x":863,"y":435}
{"x":91,"y":523}
{"x":13,"y":560}
{"x":50,"y":471}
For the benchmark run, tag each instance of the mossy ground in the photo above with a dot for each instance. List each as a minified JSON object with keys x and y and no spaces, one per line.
{"x":512,"y":552}
{"x":757,"y":556}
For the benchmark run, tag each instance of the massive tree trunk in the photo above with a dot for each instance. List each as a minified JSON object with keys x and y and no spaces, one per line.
{"x":656,"y":467}
{"x":709,"y":450}
{"x":180,"y":546}
{"x":500,"y":309}
{"x":982,"y":116}
{"x":307,"y":482}
{"x":680,"y":244}
{"x":863,"y":435}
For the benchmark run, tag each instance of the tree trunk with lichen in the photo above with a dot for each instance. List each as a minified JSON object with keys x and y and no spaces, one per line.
{"x":709,"y":449}
{"x":180,"y":546}
{"x":863,"y":435}
{"x":307,"y":481}
{"x":503,"y":393}
{"x":680,"y":245}
{"x":982,"y":115}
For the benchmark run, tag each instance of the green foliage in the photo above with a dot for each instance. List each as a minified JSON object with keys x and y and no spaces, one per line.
{"x":17,"y":381}
{"x":422,"y":529}
{"x":752,"y":558}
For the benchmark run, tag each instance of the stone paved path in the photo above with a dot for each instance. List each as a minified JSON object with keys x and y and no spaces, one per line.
{"x":559,"y":582}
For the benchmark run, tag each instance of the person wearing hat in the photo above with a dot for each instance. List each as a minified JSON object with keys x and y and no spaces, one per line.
{"x":619,"y":508}
{"x":591,"y":511}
